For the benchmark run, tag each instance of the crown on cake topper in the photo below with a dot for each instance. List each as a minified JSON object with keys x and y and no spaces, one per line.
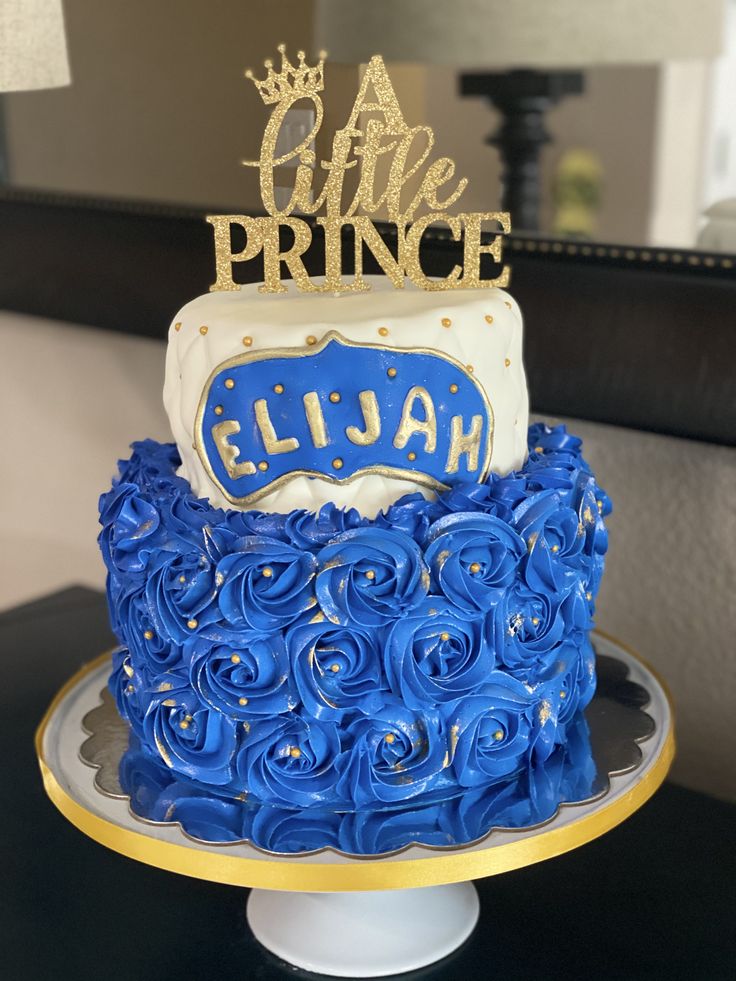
{"x":292,"y":83}
{"x":376,"y":135}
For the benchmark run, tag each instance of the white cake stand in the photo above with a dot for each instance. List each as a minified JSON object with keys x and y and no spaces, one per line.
{"x":330,"y":913}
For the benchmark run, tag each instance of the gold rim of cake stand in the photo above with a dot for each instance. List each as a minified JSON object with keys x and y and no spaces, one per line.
{"x":355,"y":875}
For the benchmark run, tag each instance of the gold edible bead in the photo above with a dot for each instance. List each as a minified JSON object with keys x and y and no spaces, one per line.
{"x":311,"y":340}
{"x":589,"y":596}
{"x":475,"y":567}
{"x":444,"y":635}
{"x":267,"y":572}
{"x":390,"y":738}
{"x":563,"y":694}
{"x":508,"y":304}
{"x":235,"y":658}
{"x":446,"y":322}
{"x":535,"y":620}
{"x":182,"y":579}
{"x":229,"y":383}
{"x":453,"y":388}
{"x":383,"y":331}
{"x":555,"y":548}
{"x":469,"y":368}
{"x":370,"y":574}
{"x":177,"y":326}
{"x":192,"y":624}
{"x":391,"y":372}
{"x":498,"y":735}
{"x":539,"y":449}
{"x":183,"y":724}
{"x":247,"y":341}
{"x":242,"y":701}
{"x":278,"y":389}
{"x":263,"y":465}
{"x":203,"y":330}
{"x":218,"y":410}
{"x":334,"y":396}
{"x":295,"y":752}
{"x":148,"y":634}
{"x":489,"y":318}
{"x":411,"y":456}
{"x":337,"y":463}
{"x":334,"y":668}
{"x":507,"y":362}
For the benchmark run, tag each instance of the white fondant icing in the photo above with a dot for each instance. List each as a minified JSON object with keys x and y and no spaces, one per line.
{"x":413,"y":318}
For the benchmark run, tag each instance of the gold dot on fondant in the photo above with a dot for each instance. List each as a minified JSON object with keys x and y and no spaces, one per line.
{"x":148,"y":634}
{"x":235,"y":658}
{"x":535,"y":620}
{"x":229,"y":383}
{"x":177,"y":326}
{"x":263,"y":465}
{"x":539,"y":449}
{"x":370,"y":574}
{"x":475,"y":567}
{"x":563,"y":694}
{"x":334,"y":396}
{"x":247,"y":341}
{"x":599,"y":504}
{"x":391,"y":372}
{"x":337,"y":463}
{"x":295,"y":752}
{"x":507,"y":362}
{"x":508,"y":304}
{"x":192,"y":624}
{"x":311,"y":340}
{"x":242,"y":701}
{"x":453,"y":388}
{"x":383,"y":331}
{"x":219,"y":410}
{"x":130,"y":689}
{"x":390,"y":738}
{"x":444,"y":635}
{"x":334,"y":668}
{"x":555,"y":548}
{"x":278,"y":389}
{"x":498,"y":735}
{"x":411,"y":456}
{"x":183,"y":724}
{"x":182,"y":579}
{"x":267,"y":572}
{"x":203,"y":330}
{"x":589,"y":596}
{"x":446,"y":322}
{"x":489,"y":318}
{"x":469,"y":368}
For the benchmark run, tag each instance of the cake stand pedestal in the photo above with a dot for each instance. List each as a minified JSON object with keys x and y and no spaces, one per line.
{"x":325,"y":911}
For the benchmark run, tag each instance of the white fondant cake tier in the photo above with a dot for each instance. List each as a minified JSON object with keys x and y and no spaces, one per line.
{"x":479,"y":329}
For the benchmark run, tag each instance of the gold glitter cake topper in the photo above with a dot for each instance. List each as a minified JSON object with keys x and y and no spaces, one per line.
{"x":376,"y":129}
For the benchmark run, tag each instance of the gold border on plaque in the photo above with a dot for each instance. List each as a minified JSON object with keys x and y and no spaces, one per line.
{"x":400,"y":473}
{"x":351,"y":875}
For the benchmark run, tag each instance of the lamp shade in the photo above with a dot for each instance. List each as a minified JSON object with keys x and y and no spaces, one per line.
{"x":32,"y":45}
{"x":474,"y":34}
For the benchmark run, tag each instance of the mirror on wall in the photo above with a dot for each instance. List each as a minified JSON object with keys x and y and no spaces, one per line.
{"x":159,"y":111}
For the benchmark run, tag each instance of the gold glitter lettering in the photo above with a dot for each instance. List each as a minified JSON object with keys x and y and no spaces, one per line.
{"x":464,"y":443}
{"x":228,"y":452}
{"x":371,"y":419}
{"x":409,"y":424}
{"x":271,"y":441}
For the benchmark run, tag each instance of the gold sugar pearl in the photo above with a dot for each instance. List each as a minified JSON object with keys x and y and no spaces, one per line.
{"x":177,"y":326}
{"x":219,"y":410}
{"x":599,"y":505}
{"x":148,"y":634}
{"x":498,"y":735}
{"x":278,"y":389}
{"x":263,"y":465}
{"x":469,"y":368}
{"x":444,"y":635}
{"x":182,"y":579}
{"x":311,"y":340}
{"x":337,"y":463}
{"x":229,"y":383}
{"x":539,"y":449}
{"x":453,"y":388}
{"x":203,"y":330}
{"x":383,"y":331}
{"x":535,"y":620}
{"x":563,"y":694}
{"x":446,"y":322}
{"x":334,"y":396}
{"x":475,"y":567}
{"x":183,"y":724}
{"x":589,"y":596}
{"x":507,"y":362}
{"x":295,"y":752}
{"x":267,"y":572}
{"x":235,"y":658}
{"x":130,"y":689}
{"x":489,"y":318}
{"x":242,"y":701}
{"x":247,"y":341}
{"x":411,"y":456}
{"x":508,"y":304}
{"x":391,"y":372}
{"x":192,"y":624}
{"x":390,"y":738}
{"x":555,"y":548}
{"x":370,"y":574}
{"x":334,"y":668}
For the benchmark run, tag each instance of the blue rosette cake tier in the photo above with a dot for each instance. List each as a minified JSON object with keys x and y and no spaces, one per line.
{"x":324,"y":663}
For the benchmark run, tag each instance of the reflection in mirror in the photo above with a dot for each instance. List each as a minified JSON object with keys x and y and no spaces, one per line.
{"x":158,"y":110}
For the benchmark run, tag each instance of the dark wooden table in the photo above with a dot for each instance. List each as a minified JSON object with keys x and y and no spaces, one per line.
{"x":655,"y":898}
